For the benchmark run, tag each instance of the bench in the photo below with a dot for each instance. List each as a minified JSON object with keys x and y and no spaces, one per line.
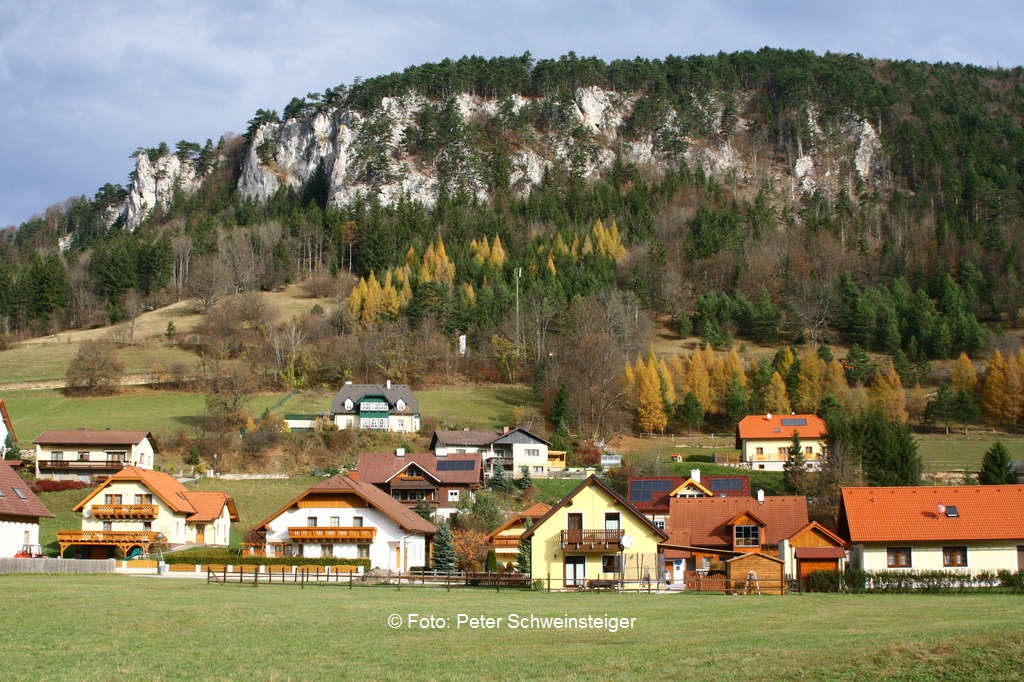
{"x":602,"y":584}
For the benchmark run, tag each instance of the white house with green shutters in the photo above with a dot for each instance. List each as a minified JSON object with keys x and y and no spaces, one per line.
{"x":379,"y":407}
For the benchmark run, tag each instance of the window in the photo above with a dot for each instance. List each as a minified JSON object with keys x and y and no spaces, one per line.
{"x":538,"y":470}
{"x":83,"y":456}
{"x":610,"y":563}
{"x":335,"y":521}
{"x":363,"y":551}
{"x":112,"y":499}
{"x":748,"y":536}
{"x":809,"y":450}
{"x":611,"y":520}
{"x":108,"y":526}
{"x":17,"y":491}
{"x":783,"y":451}
{"x":357,"y":521}
{"x":57,"y":455}
{"x":115,"y":456}
{"x":758,"y":451}
{"x":532,"y":452}
{"x":145,"y":498}
{"x":954,"y":557}
{"x":310,"y":522}
{"x":660,"y":524}
{"x":2,"y":495}
{"x":897,"y":557}
{"x":453,"y":495}
{"x":147,"y":525}
{"x":326,"y":551}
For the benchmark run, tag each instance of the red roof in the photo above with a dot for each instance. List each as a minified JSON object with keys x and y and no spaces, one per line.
{"x":781,"y":427}
{"x":933,"y":513}
{"x":381,"y":467}
{"x":650,"y":494}
{"x":14,"y":504}
{"x":703,"y":521}
{"x":87,"y":437}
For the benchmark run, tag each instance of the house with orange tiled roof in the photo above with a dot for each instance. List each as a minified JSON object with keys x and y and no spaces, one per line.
{"x":90,"y":455}
{"x":651,"y":494}
{"x":764,"y":439}
{"x":505,"y":539}
{"x":343,"y":518}
{"x":706,"y":530}
{"x":140,"y":508}
{"x":951,"y":528}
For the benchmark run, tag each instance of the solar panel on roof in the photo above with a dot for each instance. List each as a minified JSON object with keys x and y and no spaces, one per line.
{"x":643,"y":491}
{"x":794,"y":421}
{"x":726,"y":484}
{"x":456,"y":465}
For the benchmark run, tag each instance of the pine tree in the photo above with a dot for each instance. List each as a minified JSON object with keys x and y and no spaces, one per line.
{"x":942,"y":408}
{"x":492,"y":561}
{"x":736,"y":399}
{"x":525,"y":480}
{"x":691,"y":412}
{"x":995,"y":467}
{"x":795,"y":475}
{"x":498,"y":480}
{"x":444,"y":549}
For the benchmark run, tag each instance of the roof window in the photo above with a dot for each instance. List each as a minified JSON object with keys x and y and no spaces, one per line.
{"x":17,"y":491}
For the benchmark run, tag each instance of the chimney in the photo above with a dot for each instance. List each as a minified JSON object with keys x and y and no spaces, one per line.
{"x":400,"y":452}
{"x":760,"y":496}
{"x":354,"y":474}
{"x":504,"y":430}
{"x":768,"y":416}
{"x":387,"y":384}
{"x":695,"y":475}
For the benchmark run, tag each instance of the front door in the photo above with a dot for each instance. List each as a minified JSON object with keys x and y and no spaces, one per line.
{"x":200,"y":533}
{"x":575,"y":571}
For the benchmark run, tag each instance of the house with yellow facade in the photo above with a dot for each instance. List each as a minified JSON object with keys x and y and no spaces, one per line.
{"x":594,"y":538}
{"x":138,"y":508}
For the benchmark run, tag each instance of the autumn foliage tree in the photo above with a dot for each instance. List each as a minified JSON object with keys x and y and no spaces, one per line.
{"x":95,"y":369}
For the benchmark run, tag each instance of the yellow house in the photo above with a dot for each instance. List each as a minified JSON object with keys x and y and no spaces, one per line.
{"x":594,"y":538}
{"x":137,"y":508}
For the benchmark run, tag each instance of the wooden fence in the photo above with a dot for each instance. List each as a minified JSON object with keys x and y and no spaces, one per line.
{"x":346,"y":576}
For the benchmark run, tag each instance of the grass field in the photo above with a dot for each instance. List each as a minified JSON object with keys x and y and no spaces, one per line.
{"x":107,"y":627}
{"x":940,"y":452}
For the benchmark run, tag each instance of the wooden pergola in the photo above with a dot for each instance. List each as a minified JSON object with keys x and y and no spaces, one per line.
{"x":122,"y":540}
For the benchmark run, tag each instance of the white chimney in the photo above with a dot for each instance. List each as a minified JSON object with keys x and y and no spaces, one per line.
{"x":695,"y":475}
{"x":400,"y":452}
{"x":760,"y":496}
{"x":387,"y":384}
{"x":348,"y":383}
{"x":768,"y":416}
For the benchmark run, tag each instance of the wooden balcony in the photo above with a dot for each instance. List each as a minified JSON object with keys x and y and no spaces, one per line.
{"x":123,"y":540}
{"x":81,"y":464}
{"x":331,"y":533}
{"x":505,"y":542}
{"x":592,"y":540}
{"x":124,"y":511}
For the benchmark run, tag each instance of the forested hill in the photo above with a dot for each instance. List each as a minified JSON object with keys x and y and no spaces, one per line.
{"x":761,"y":195}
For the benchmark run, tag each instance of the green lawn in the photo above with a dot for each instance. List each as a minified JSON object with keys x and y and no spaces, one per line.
{"x":48,"y":361}
{"x":475,"y":407}
{"x":106,"y":627}
{"x":940,"y":452}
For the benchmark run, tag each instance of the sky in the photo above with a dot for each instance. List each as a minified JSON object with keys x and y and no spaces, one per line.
{"x":84,"y":84}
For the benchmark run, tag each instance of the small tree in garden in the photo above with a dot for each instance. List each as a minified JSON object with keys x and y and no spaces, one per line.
{"x":444,"y":549}
{"x":523,"y":560}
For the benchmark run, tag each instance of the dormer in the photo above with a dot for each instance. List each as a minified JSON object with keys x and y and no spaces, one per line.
{"x":400,"y":405}
{"x":748,"y":532}
{"x":349,"y":404}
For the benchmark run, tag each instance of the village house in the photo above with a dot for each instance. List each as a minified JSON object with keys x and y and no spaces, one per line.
{"x":137,"y":508}
{"x":91,"y":456}
{"x":651,"y":494}
{"x":378,"y":407}
{"x":411,"y":478}
{"x":505,"y":539}
{"x":812,"y":548}
{"x":594,"y":538}
{"x":516,"y":451}
{"x":343,"y":518}
{"x":20,"y":511}
{"x":964,"y":529}
{"x":706,"y":530}
{"x":764,"y":440}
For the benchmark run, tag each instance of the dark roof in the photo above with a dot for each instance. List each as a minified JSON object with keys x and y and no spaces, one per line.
{"x":462,"y":469}
{"x":14,"y":504}
{"x":585,"y":483}
{"x":90,"y":437}
{"x":356,"y":392}
{"x":369,"y":493}
{"x":703,"y":521}
{"x":482,"y":439}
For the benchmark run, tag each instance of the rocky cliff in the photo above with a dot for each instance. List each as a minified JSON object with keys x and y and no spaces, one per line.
{"x":361,"y":154}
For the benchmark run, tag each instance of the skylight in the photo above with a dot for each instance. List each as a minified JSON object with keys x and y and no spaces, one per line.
{"x":952,"y":512}
{"x":17,"y":491}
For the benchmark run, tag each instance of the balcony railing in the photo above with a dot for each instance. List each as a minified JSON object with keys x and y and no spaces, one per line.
{"x":124,"y":540}
{"x":93,"y":465}
{"x":597,"y":540}
{"x":505,"y":542}
{"x":125,"y":511}
{"x":342,"y":533}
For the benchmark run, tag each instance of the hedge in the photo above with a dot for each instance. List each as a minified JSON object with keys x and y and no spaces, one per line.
{"x":857,"y":581}
{"x":227,"y":556}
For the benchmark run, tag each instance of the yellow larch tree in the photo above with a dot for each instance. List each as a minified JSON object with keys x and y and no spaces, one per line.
{"x":698,"y":379}
{"x":776,"y":399}
{"x":997,"y":405}
{"x":810,"y":384}
{"x":834,"y":383}
{"x":964,"y":376}
{"x":650,"y":409}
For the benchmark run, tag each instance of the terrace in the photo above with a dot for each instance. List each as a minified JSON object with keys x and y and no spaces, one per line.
{"x":336,"y":533}
{"x":123,"y":540}
{"x":592,"y":540}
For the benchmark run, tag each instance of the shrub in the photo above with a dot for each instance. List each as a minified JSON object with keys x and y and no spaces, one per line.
{"x":46,"y":486}
{"x":825,"y":581}
{"x":230,"y":556}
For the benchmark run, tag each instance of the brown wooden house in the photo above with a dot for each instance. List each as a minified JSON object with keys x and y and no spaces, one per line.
{"x":812,"y":548}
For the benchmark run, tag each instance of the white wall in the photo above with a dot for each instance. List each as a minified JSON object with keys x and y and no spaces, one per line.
{"x":981,"y":556}
{"x":388,"y":538}
{"x":13,"y":536}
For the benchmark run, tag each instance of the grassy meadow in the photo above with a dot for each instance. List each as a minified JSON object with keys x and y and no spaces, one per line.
{"x":183,"y":629}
